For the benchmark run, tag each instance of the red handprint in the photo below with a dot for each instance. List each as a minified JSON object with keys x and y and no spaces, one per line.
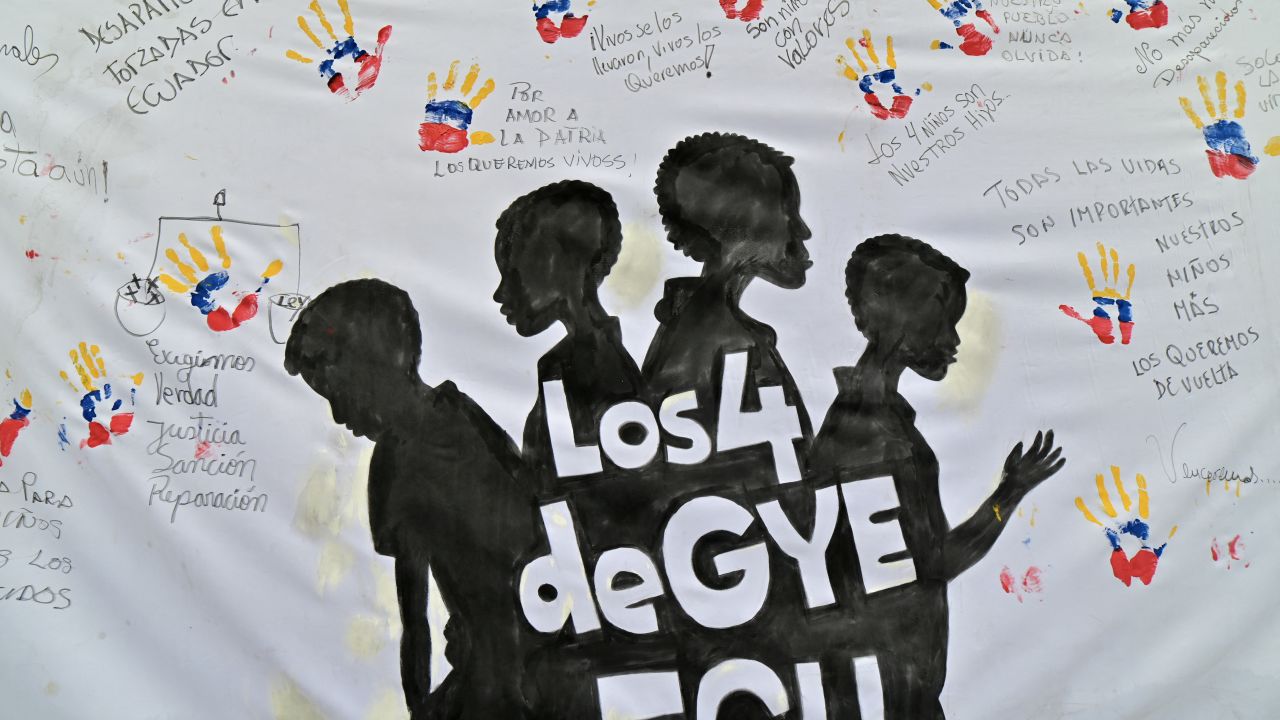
{"x":750,"y":11}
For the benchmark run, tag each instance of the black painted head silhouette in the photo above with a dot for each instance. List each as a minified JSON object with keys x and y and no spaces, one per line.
{"x":907,"y":298}
{"x":358,"y":345}
{"x":731,"y":202}
{"x":555,"y":246}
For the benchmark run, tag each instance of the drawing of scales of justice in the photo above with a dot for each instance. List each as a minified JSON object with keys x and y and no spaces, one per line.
{"x":218,"y":271}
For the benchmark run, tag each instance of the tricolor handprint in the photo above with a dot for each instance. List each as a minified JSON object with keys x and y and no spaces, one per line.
{"x":1105,"y":295}
{"x":205,"y":285}
{"x":881,"y":77}
{"x":546,"y":14}
{"x":1229,"y":152}
{"x":101,"y":406}
{"x":366,"y":64}
{"x":1143,"y":14}
{"x":972,"y":41}
{"x":14,"y":424}
{"x":444,"y":127}
{"x":1142,"y":564}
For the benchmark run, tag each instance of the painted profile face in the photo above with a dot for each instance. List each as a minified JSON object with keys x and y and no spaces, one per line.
{"x":345,"y":414}
{"x":786,"y":259}
{"x":929,"y":342}
{"x":358,"y":345}
{"x":362,"y":400}
{"x":540,"y":277}
{"x":752,"y":210}
{"x":527,"y":300}
{"x":545,"y":257}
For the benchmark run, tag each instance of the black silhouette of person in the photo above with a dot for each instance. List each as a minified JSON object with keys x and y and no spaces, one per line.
{"x":554,"y":248}
{"x":906,"y":299}
{"x":445,"y":491}
{"x":733,"y":204}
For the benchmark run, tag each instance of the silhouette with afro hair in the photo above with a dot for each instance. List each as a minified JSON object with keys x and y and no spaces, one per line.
{"x":554,"y":248}
{"x":906,"y":299}
{"x":733,"y":204}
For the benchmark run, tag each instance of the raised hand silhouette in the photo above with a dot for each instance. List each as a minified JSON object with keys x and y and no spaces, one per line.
{"x":1024,"y":471}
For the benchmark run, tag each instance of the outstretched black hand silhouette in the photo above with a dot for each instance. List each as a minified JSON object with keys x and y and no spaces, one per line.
{"x":1025,"y":470}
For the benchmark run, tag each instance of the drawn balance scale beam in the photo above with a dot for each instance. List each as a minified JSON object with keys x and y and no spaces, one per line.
{"x":219,"y":271}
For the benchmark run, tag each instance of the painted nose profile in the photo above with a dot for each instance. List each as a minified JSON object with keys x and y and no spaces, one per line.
{"x":801,"y":229}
